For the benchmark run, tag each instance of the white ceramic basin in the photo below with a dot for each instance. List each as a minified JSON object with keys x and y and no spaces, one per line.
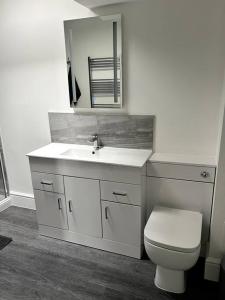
{"x":78,"y":153}
{"x":106,"y":155}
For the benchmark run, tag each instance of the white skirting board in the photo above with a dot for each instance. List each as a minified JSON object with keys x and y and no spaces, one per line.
{"x":22,"y":200}
{"x":4,"y":204}
{"x":212,"y":268}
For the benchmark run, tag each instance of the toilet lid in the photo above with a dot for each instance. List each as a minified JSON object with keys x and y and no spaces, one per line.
{"x":174,"y":229}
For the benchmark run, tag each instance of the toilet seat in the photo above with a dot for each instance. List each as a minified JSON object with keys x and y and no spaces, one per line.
{"x":174,"y":229}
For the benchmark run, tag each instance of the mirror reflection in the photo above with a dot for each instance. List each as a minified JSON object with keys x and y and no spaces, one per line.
{"x":93,"y":50}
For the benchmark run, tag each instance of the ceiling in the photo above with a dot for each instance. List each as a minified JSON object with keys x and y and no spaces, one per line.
{"x":96,"y":3}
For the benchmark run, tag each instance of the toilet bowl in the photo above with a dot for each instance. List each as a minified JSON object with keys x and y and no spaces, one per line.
{"x":172,"y":239}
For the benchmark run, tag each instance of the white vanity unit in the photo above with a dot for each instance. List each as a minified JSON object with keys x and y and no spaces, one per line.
{"x":182,"y":182}
{"x":97,"y":200}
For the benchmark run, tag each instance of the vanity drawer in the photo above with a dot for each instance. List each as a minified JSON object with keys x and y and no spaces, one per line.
{"x":120,"y":192}
{"x":186,"y":172}
{"x":48,"y":182}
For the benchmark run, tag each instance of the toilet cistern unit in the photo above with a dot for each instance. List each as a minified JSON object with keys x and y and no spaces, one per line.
{"x":172,"y":239}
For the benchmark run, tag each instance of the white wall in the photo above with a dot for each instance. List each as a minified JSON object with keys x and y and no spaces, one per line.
{"x":174,"y":62}
{"x":33,"y":77}
{"x":217,"y":232}
{"x":174,"y":59}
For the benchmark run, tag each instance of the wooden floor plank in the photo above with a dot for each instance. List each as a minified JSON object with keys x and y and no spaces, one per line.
{"x":35,"y":267}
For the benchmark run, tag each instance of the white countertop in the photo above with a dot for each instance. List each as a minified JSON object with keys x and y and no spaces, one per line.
{"x":172,"y":158}
{"x":106,"y":155}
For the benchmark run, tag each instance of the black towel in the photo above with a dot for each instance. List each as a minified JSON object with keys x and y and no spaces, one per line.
{"x":70,"y":86}
{"x":78,"y":92}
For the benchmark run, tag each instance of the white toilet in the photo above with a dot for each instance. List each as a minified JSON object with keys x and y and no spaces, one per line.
{"x":172,"y":239}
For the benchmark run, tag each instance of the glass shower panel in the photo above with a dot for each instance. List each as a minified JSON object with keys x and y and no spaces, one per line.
{"x":2,"y":181}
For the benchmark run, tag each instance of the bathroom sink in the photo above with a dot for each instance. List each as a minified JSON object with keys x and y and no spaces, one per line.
{"x":78,"y":153}
{"x":100,"y":155}
{"x":106,"y":155}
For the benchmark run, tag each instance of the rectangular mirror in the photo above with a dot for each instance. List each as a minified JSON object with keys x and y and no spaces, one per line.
{"x":94,"y":66}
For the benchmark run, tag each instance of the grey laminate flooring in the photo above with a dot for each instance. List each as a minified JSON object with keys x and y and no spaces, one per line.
{"x":35,"y":267}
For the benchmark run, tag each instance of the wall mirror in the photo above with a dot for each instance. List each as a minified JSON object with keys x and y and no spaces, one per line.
{"x":94,"y":64}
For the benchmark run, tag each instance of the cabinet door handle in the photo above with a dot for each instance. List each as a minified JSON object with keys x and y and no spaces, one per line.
{"x":119,"y":194}
{"x":60,"y":203}
{"x":106,"y":213}
{"x":70,"y":206}
{"x":46,"y":182}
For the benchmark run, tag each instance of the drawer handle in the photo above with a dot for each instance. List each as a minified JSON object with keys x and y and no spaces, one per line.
{"x":60,"y":203}
{"x":106,"y":213}
{"x":46,"y":182}
{"x":205,"y":174}
{"x":70,"y":206}
{"x":120,"y":194}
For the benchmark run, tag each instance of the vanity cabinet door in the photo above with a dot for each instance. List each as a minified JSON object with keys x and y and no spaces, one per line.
{"x":51,"y":209}
{"x":121,"y":223}
{"x":83,"y":205}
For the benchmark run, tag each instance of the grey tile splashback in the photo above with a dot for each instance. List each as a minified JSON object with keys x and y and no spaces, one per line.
{"x":126,"y":131}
